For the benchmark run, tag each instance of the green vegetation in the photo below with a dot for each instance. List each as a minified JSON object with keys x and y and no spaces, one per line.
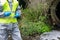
{"x":33,"y":21}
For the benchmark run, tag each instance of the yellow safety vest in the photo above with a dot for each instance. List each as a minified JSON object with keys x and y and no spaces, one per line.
{"x":6,"y":8}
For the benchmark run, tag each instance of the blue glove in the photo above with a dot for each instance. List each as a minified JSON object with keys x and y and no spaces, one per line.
{"x":7,"y":14}
{"x":17,"y":14}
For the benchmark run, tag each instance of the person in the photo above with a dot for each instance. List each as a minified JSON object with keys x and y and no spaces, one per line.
{"x":9,"y":12}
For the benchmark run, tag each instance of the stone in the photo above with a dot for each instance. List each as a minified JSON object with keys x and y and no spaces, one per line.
{"x":53,"y":35}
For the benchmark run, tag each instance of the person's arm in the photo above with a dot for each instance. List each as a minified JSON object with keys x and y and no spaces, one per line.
{"x":18,"y":12}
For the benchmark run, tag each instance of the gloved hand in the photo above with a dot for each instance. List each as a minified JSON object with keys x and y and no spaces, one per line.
{"x":7,"y":14}
{"x":17,"y":14}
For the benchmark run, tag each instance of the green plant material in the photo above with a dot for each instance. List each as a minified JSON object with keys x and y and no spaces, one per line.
{"x":33,"y":14}
{"x":30,"y":28}
{"x":34,"y":21}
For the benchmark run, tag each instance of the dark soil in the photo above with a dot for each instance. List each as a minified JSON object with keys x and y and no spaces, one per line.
{"x":35,"y":37}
